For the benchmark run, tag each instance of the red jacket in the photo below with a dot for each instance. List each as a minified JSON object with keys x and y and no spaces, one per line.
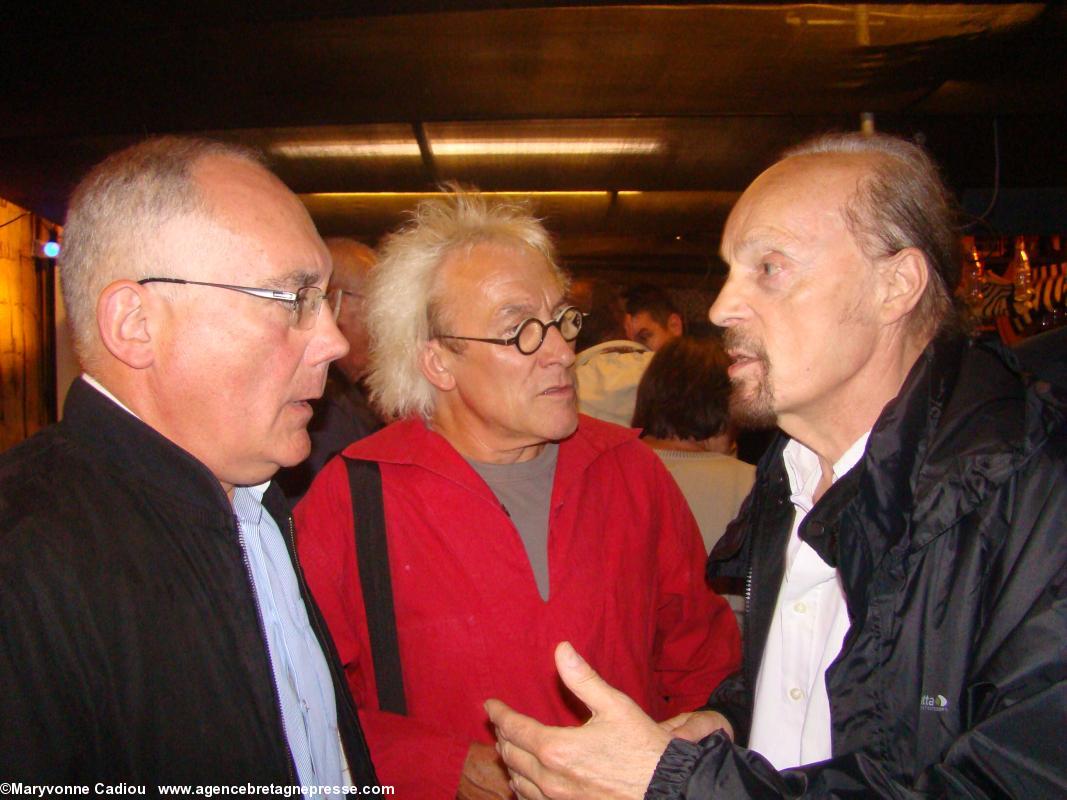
{"x":626,"y":567}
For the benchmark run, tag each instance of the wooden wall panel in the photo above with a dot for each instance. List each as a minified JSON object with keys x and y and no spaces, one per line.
{"x":26,"y":327}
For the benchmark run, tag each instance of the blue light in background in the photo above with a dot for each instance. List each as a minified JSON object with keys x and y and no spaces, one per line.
{"x":51,"y":249}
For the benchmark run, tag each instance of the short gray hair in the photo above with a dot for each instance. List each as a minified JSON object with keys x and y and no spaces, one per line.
{"x":114,"y":214}
{"x":902,"y":202}
{"x":405,"y":308}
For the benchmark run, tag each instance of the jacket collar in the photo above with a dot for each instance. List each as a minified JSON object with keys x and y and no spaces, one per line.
{"x":962,"y":424}
{"x":884,"y":477}
{"x":141,"y":455}
{"x":412,"y":442}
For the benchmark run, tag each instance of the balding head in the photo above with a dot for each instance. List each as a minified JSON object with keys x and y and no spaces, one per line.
{"x":352,"y":263}
{"x":209,"y":329}
{"x":899,"y":201}
{"x":114,"y":217}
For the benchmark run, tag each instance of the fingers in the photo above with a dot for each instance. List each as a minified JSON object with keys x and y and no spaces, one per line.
{"x":700,"y":724}
{"x":512,"y":726}
{"x":674,"y":723}
{"x":521,"y":763}
{"x":518,"y":737}
{"x":524,"y":789}
{"x":586,"y":684}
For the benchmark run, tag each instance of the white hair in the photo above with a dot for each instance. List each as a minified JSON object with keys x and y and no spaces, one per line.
{"x":404,"y":296}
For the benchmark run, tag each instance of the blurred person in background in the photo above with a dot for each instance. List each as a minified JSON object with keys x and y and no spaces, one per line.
{"x":608,"y":365}
{"x":343,"y":414}
{"x":652,"y":318}
{"x":683,"y":411}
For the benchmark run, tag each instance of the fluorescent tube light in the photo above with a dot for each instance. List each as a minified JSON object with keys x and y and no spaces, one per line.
{"x":461,"y":148}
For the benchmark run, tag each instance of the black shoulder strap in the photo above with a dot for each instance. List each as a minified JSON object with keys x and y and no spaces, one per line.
{"x":372,"y":552}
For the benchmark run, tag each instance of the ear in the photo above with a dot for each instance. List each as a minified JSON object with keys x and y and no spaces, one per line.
{"x":904,"y":278}
{"x":674,"y":324}
{"x":434,"y":363}
{"x":123,"y":321}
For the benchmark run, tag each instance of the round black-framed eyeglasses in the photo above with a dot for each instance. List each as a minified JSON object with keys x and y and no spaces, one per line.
{"x":531,"y":333}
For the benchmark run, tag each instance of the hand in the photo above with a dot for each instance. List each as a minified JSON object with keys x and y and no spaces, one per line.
{"x":484,"y":775}
{"x":612,"y":756}
{"x":695,"y":725}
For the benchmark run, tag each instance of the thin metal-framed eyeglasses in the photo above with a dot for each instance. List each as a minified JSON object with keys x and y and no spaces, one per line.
{"x":531,"y":334}
{"x":304,"y":303}
{"x":336,"y":298}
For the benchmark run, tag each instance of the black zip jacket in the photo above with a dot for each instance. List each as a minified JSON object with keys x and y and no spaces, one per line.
{"x":131,"y":647}
{"x":950,"y":537}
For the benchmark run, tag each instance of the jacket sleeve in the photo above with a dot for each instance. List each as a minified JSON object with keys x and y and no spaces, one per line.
{"x":45,"y":723}
{"x":1011,"y":743}
{"x":1019,"y":752}
{"x":416,"y":758}
{"x":733,"y":699}
{"x":697,"y":641}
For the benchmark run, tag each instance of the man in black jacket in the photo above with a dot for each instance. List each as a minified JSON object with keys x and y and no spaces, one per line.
{"x":904,"y":543}
{"x":154,"y":628}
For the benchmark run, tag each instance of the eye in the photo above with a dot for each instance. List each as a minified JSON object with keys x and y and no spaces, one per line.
{"x":513,"y":329}
{"x":769,"y":268}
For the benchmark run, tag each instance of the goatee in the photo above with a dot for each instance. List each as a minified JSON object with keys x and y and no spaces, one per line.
{"x":752,"y":398}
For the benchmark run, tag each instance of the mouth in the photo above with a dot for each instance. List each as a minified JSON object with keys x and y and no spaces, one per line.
{"x":740,"y":361}
{"x":744,"y":351}
{"x":559,"y":391}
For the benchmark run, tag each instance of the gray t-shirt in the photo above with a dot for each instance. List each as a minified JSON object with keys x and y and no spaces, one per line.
{"x":525,"y":491}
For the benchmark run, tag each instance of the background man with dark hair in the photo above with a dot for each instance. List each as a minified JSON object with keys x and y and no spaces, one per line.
{"x":651,"y":316}
{"x":904,"y":542}
{"x":153,"y":626}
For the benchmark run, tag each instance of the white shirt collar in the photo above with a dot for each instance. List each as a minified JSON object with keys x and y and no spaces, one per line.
{"x":802,"y":467}
{"x":89,"y":379}
{"x":257,"y":491}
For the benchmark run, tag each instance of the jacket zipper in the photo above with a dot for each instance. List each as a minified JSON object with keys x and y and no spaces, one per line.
{"x":263,"y":634}
{"x":748,"y":591}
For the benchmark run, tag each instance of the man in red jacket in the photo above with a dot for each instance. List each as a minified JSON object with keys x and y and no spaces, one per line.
{"x":512,"y":522}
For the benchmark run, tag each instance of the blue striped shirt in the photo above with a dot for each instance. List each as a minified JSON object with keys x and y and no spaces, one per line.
{"x":309,"y":712}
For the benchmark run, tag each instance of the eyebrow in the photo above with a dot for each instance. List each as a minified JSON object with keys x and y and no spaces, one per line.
{"x":764,"y":240}
{"x":298,"y":278}
{"x":529,"y":310}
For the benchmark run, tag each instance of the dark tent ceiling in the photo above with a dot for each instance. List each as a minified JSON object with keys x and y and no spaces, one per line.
{"x":636,"y":125}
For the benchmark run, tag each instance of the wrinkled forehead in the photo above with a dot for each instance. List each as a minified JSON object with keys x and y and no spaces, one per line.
{"x":490,"y":272}
{"x":800,"y":198}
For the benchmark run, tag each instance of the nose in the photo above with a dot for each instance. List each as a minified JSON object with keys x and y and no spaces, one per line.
{"x":329,"y":343}
{"x":728,"y":308}
{"x":555,"y":349}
